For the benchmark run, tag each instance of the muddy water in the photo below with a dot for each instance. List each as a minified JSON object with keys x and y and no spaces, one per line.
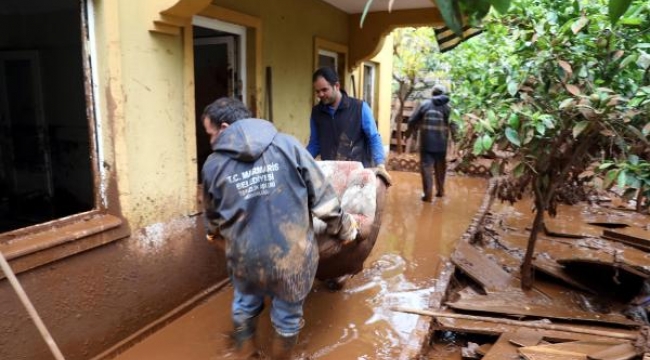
{"x":354,"y":323}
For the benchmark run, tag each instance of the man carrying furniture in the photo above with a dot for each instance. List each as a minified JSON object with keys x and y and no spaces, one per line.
{"x":261,"y":189}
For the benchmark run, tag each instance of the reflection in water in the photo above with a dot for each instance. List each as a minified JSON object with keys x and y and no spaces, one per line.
{"x":354,"y":323}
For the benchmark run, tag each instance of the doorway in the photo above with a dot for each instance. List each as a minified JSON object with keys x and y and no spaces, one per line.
{"x":219,"y":58}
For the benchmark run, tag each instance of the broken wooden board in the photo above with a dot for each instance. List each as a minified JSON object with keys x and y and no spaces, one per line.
{"x":632,"y":236}
{"x":613,"y":264}
{"x":552,"y":268}
{"x":484,"y":349}
{"x":519,"y":304}
{"x":609,"y":225}
{"x":477,"y":266}
{"x":490,"y":328}
{"x":601,"y":250}
{"x":613,"y":216}
{"x":624,"y":351}
{"x":503,"y":349}
{"x":550,"y":232}
{"x":578,"y":350}
{"x":544,"y":264}
{"x":526,"y":337}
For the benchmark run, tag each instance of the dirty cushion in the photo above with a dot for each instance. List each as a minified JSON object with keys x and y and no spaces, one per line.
{"x":356,"y":188}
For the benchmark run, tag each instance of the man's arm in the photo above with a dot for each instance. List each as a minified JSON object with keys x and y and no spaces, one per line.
{"x":210,"y":219}
{"x":369,"y":128}
{"x":314,"y":144}
{"x":415,"y":119}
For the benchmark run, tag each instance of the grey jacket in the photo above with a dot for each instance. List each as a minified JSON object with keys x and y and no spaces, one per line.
{"x":261,"y":188}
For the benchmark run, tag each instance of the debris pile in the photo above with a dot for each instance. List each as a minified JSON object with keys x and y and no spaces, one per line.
{"x":591,"y":295}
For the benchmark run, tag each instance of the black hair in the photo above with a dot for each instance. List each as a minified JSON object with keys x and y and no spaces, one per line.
{"x":438,"y":90}
{"x":326,"y":73}
{"x":226,"y":110}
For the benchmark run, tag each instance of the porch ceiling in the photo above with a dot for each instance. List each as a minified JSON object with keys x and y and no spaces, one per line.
{"x":366,"y":41}
{"x":357,"y":6}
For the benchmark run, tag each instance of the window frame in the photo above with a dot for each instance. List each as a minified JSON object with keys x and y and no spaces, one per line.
{"x":32,"y":246}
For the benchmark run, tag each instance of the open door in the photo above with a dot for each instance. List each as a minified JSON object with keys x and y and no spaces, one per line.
{"x":219,"y":52}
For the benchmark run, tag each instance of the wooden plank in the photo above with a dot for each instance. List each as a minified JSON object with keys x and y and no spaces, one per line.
{"x":551,"y":267}
{"x":484,"y":349}
{"x":488,"y":328}
{"x":642,"y":273}
{"x":503,"y":349}
{"x":590,"y":249}
{"x":545,"y":355}
{"x":569,"y":350}
{"x":633,"y":236}
{"x":537,"y":325}
{"x":521,"y":305}
{"x":481,"y":269}
{"x":527,"y":337}
{"x":546,"y":265}
{"x":624,"y":351}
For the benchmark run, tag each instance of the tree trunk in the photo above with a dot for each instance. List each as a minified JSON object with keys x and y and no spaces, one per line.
{"x":639,"y":199}
{"x":398,"y":124}
{"x":527,"y":275}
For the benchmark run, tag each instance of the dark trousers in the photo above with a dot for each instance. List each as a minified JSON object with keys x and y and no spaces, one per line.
{"x":431,"y":162}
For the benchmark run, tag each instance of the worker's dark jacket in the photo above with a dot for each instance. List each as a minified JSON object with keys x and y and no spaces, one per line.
{"x":341,"y":136}
{"x":260,"y":188}
{"x":432,"y":118}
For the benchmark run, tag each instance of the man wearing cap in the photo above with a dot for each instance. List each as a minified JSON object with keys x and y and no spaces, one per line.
{"x":432,"y":119}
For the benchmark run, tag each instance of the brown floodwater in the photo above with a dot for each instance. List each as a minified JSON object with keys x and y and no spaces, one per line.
{"x":356,"y":322}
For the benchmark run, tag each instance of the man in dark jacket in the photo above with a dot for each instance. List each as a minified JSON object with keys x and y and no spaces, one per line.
{"x":261,"y":189}
{"x":432,"y":119}
{"x":342,"y":127}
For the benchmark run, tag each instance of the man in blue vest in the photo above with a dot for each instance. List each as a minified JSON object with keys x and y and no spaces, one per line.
{"x":342,"y":127}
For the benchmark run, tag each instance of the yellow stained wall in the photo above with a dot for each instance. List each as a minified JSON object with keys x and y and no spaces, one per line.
{"x":141,"y":101}
{"x":384,"y":92}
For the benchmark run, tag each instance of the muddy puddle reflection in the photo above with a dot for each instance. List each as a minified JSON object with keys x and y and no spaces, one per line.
{"x":356,"y":322}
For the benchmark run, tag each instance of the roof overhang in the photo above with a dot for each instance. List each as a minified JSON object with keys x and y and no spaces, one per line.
{"x":364,"y":42}
{"x":357,"y":6}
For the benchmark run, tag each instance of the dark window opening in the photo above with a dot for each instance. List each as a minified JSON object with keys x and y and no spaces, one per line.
{"x":45,"y":137}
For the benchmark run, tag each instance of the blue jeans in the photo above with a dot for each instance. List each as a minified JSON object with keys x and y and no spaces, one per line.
{"x":286,"y":317}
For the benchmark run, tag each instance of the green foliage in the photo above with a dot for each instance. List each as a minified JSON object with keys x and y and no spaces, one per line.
{"x":453,"y":11}
{"x":632,"y":175}
{"x":413,"y":64}
{"x":556,"y":85}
